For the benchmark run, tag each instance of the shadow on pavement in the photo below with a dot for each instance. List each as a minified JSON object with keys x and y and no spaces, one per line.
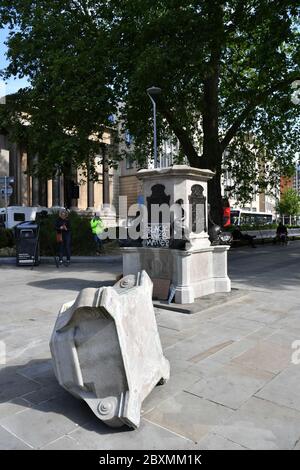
{"x":69,"y":283}
{"x":35,"y":386}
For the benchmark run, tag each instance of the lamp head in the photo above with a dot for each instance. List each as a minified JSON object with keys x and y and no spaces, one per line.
{"x":154,"y":91}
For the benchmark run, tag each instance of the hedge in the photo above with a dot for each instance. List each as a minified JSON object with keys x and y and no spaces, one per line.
{"x":6,"y":238}
{"x":82,"y":239}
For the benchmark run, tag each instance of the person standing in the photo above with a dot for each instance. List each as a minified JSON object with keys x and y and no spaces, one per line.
{"x":97,"y":227}
{"x":63,"y":236}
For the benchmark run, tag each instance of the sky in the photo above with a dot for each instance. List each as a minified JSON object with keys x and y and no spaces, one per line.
{"x":13,"y":84}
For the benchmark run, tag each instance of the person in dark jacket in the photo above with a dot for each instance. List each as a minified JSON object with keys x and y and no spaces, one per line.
{"x":281,"y":234}
{"x":63,"y":236}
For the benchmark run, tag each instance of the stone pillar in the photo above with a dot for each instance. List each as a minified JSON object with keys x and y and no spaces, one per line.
{"x":35,"y":191}
{"x":35,"y":199}
{"x":108,"y":212}
{"x":43,"y":192}
{"x":56,"y":190}
{"x":90,"y":193}
{"x":105,"y":177}
{"x":74,"y":202}
{"x":24,"y":179}
{"x":14,"y":170}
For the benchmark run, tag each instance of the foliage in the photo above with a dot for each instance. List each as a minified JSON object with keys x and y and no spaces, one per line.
{"x":63,"y":53}
{"x":289,"y":203}
{"x":6,"y":238}
{"x":82,"y":239}
{"x":225,"y":70}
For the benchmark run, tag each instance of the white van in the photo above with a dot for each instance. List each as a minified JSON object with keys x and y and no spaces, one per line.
{"x":17,"y":214}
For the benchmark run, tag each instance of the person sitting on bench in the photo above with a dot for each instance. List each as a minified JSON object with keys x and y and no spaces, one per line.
{"x":237,"y":234}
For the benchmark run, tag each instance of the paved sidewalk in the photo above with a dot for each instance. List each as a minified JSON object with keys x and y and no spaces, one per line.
{"x":75,"y":259}
{"x":232,"y":384}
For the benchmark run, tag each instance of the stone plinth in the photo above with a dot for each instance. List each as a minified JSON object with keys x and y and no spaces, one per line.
{"x":106,"y":349}
{"x":197,"y":269}
{"x":194,"y":273}
{"x":180,"y":182}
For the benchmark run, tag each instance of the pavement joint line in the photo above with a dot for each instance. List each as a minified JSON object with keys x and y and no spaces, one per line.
{"x":257,"y":321}
{"x":215,"y":322}
{"x":169,"y":430}
{"x":177,"y":342}
{"x":29,"y":378}
{"x":211,"y":401}
{"x":167,"y":327}
{"x":230,"y":440}
{"x":276,"y":404}
{"x":15,"y":435}
{"x":160,"y":403}
{"x":57,"y":439}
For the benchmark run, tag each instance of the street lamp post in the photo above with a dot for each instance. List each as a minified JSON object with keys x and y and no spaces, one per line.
{"x":152,"y":93}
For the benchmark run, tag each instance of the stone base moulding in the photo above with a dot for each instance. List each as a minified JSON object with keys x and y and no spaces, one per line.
{"x":106,"y":349}
{"x":195,"y":273}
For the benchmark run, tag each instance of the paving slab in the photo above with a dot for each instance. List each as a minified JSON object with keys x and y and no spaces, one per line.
{"x":262,"y":425}
{"x":232,"y":350}
{"x":267,"y":356}
{"x":230,"y":385}
{"x":233,"y":360}
{"x":176,"y":384}
{"x":65,"y":443}
{"x":188,"y":415}
{"x":10,"y":442}
{"x":13,"y":407}
{"x":284,"y":389}
{"x":42,"y":424}
{"x":149,"y":436}
{"x":13,"y":385}
{"x":215,"y":442}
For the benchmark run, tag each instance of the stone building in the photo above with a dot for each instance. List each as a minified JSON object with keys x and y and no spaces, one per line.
{"x":78,"y":192}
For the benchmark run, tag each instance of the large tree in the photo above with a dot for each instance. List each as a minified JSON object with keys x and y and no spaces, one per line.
{"x":62,"y":51}
{"x":225,"y":69}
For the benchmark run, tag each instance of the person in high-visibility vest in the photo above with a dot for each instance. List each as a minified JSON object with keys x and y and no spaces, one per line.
{"x":97,"y":226}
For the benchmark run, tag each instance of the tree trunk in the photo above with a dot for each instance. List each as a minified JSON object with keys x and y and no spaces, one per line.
{"x":215,"y":199}
{"x":212,"y":153}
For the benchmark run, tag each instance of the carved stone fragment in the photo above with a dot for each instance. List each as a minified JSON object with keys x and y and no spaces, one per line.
{"x":106,"y":349}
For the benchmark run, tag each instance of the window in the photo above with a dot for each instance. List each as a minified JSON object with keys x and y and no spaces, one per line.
{"x":19,"y":217}
{"x":234,"y":217}
{"x":129,"y":163}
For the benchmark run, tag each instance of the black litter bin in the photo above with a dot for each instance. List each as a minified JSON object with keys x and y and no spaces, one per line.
{"x":27,"y":244}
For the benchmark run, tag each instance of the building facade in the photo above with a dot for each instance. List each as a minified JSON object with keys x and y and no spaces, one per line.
{"x":77,"y":193}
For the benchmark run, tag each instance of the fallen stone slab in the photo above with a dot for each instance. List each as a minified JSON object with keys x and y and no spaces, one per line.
{"x":106,"y":349}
